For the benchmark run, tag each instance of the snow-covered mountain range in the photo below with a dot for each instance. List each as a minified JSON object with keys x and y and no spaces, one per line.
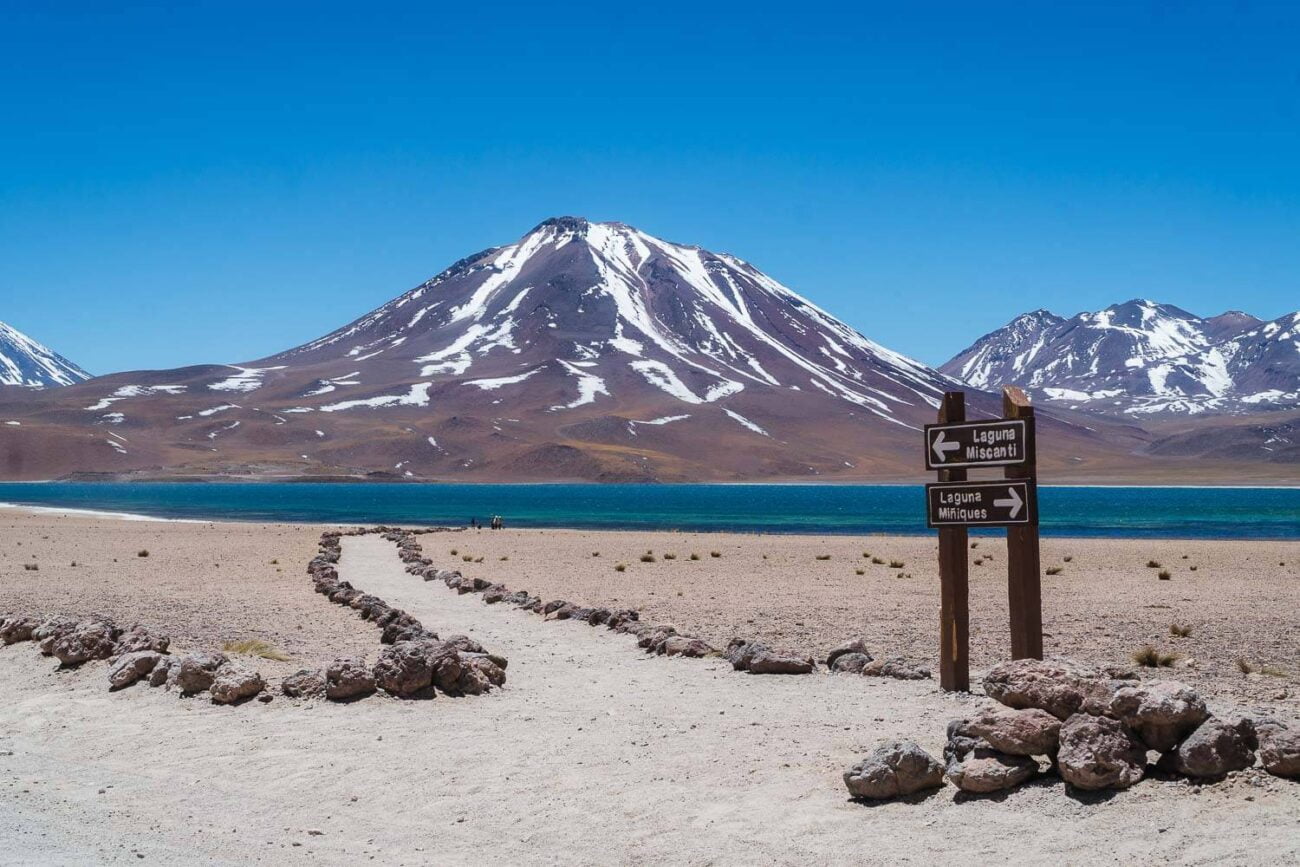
{"x":1141,"y":358}
{"x":27,"y":363}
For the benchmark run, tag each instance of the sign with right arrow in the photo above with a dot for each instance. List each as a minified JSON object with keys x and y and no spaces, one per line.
{"x":981,"y":504}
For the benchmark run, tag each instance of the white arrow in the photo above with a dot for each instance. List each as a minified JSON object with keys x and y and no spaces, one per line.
{"x":1013,"y":504}
{"x":941,"y":447}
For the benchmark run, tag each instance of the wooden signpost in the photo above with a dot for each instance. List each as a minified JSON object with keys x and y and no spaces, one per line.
{"x":954,"y":503}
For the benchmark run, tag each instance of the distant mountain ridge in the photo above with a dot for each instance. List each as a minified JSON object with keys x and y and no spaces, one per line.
{"x":27,"y":363}
{"x":1141,"y":358}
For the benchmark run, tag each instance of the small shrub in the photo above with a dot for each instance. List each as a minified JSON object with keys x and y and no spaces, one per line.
{"x":697,"y":556}
{"x":647,"y":558}
{"x":1153,"y":564}
{"x":1272,"y":671}
{"x":467,"y":558}
{"x":454,"y":552}
{"x":1244,"y":666}
{"x":896,"y":564}
{"x":1067,"y":558}
{"x":859,"y":571}
{"x":866,"y":555}
{"x":503,"y":559}
{"x":255,"y":647}
{"x":1148,"y":657}
{"x":1053,"y":570}
{"x":31,"y":567}
{"x":275,"y":562}
{"x":715,"y":554}
{"x":1184,"y":556}
{"x":620,"y":567}
{"x":143,"y":552}
{"x":877,"y":561}
{"x":595,"y":553}
{"x":904,"y":574}
{"x":823,"y":556}
{"x":670,"y":556}
{"x":978,"y":561}
{"x":1163,"y":575}
{"x":1191,"y":568}
{"x":1179,"y":631}
{"x":478,"y":559}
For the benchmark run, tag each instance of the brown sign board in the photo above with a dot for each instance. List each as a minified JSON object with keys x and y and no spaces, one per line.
{"x":997,"y":443}
{"x":1002,"y":503}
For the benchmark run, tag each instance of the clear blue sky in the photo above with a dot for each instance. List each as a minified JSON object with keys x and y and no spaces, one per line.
{"x":223,"y":181}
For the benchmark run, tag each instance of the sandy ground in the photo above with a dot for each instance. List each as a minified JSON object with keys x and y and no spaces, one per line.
{"x":593,"y":753}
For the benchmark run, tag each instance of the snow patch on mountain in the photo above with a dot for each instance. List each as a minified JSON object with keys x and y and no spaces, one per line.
{"x":25,"y":362}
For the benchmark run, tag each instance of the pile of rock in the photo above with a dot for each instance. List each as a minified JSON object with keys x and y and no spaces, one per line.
{"x":1093,"y":728}
{"x":416,"y":663}
{"x":852,"y":657}
{"x":137,"y":654}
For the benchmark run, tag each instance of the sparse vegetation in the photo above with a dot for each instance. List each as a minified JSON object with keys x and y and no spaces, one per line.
{"x":1067,"y":558}
{"x":978,"y":561}
{"x":275,"y":562}
{"x":454,"y":552}
{"x":1054,"y":570}
{"x":1148,"y":657}
{"x":670,"y":556}
{"x":823,"y":556}
{"x":143,"y":552}
{"x":866,"y":555}
{"x":715,"y":554}
{"x":859,"y":571}
{"x":695,"y":556}
{"x":896,"y":564}
{"x":1245,"y":666}
{"x":974,"y":544}
{"x":877,"y":561}
{"x":467,"y":558}
{"x":620,"y":567}
{"x":1153,"y":564}
{"x":904,"y":574}
{"x":1179,"y":631}
{"x":478,"y":559}
{"x":1191,"y":568}
{"x":1163,"y":575}
{"x":647,"y":558}
{"x":503,"y":559}
{"x":595,"y":553}
{"x":255,"y":647}
{"x":31,"y":567}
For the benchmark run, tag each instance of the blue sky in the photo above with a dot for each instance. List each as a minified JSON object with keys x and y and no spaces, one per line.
{"x":222,"y":181}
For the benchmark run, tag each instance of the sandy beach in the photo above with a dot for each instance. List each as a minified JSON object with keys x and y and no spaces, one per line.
{"x":594,"y":752}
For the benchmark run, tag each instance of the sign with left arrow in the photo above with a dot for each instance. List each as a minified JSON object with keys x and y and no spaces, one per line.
{"x":981,"y":504}
{"x":996,"y":443}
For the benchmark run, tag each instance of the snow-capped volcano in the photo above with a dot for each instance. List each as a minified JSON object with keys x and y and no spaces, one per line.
{"x":603,"y":314}
{"x":25,"y":362}
{"x":1141,"y":358}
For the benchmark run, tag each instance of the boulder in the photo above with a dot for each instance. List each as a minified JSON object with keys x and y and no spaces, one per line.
{"x":1216,"y":747}
{"x":162,"y":671}
{"x":740,"y":652}
{"x":897,"y":668}
{"x":856,"y":647}
{"x":1099,"y":752}
{"x":90,"y":639}
{"x":851,"y":663}
{"x":654,"y":636}
{"x":892,"y":769}
{"x":348,"y":678}
{"x":194,"y":672}
{"x":130,"y":667}
{"x":1029,"y":732}
{"x":767,"y":662}
{"x":304,"y":683}
{"x":404,"y":668}
{"x":140,"y":638}
{"x":1057,"y":686}
{"x":15,"y":629}
{"x":682,"y":645}
{"x":465,"y":644}
{"x":446,"y":667}
{"x":234,"y":683}
{"x":984,"y":770}
{"x":1161,"y":713}
{"x":487,"y":666}
{"x":50,"y":630}
{"x":1279,"y":747}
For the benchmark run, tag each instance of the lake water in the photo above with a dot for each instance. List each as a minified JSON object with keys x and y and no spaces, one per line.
{"x":1206,"y":513}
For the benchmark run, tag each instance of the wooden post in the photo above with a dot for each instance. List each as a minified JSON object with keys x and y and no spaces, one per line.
{"x":954,"y":592}
{"x":1024,"y":587}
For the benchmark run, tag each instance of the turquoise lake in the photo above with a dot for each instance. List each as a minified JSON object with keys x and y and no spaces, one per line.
{"x":1204,"y":513}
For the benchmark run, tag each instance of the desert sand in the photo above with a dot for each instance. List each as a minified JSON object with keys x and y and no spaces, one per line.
{"x":594,"y":752}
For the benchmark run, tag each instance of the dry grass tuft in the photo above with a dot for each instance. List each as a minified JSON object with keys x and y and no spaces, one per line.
{"x":1179,"y":631}
{"x":715,"y":553}
{"x":859,"y":571}
{"x":823,"y":556}
{"x":896,"y":564}
{"x":255,"y":647}
{"x":1163,"y":575}
{"x":1054,"y":570}
{"x":1153,"y":564}
{"x":620,"y":567}
{"x":143,"y":552}
{"x":670,"y":556}
{"x":1149,"y":657}
{"x":695,"y":556}
{"x":647,"y":558}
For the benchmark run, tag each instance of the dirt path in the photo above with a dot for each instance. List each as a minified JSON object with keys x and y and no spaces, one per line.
{"x":592,"y":754}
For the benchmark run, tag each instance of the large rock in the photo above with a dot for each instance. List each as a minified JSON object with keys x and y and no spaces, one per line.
{"x":1057,"y":686}
{"x":767,"y":662}
{"x":1161,"y":713}
{"x":304,"y":683}
{"x":140,"y":638}
{"x":161,"y":673}
{"x":1216,"y":747}
{"x":892,"y":769}
{"x":1279,"y":747}
{"x":897,"y":668}
{"x":485,"y":665}
{"x":50,"y":630}
{"x":857,"y":647}
{"x":741,"y":651}
{"x":984,"y":770}
{"x":446,"y":667}
{"x":194,"y":672}
{"x":404,"y":668}
{"x":1099,"y":753}
{"x":348,"y":678}
{"x":130,"y":667}
{"x":91,"y":639}
{"x":1028,"y":732}
{"x":15,"y":629}
{"x":683,"y":645}
{"x":234,"y":683}
{"x":851,"y":663}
